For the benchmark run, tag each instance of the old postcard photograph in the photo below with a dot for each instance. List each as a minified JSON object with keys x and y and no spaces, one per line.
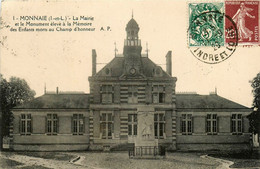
{"x":129,"y":84}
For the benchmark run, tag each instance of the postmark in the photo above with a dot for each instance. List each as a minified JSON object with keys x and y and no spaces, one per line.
{"x":245,"y":14}
{"x":207,"y":32}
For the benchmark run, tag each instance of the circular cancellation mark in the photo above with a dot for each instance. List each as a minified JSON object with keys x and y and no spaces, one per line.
{"x":210,"y":40}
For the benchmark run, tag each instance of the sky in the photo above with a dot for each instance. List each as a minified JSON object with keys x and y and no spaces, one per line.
{"x":63,"y":59}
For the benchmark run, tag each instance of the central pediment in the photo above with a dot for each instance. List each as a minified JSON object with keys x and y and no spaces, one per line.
{"x":122,"y":68}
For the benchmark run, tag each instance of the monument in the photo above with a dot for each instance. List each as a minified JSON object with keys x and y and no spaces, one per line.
{"x":145,"y":143}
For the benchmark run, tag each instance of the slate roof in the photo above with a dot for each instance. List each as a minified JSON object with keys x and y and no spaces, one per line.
{"x":132,"y":24}
{"x":184,"y":102}
{"x":117,"y":67}
{"x":212,"y":101}
{"x":57,"y":101}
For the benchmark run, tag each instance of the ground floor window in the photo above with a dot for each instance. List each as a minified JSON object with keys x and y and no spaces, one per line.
{"x":78,"y":124}
{"x":106,"y":125}
{"x":52,"y":124}
{"x":132,"y":124}
{"x":159,"y":125}
{"x":211,"y":124}
{"x":236,"y":123}
{"x":186,"y":124}
{"x":26,"y":124}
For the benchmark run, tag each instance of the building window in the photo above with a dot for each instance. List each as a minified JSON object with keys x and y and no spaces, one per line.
{"x":106,"y":125}
{"x":211,"y":123}
{"x":161,"y":97}
{"x":78,"y":124}
{"x":186,"y":124}
{"x":159,"y":125}
{"x":158,"y":94}
{"x":236,"y":123}
{"x":132,"y":124}
{"x":132,"y":94}
{"x":52,"y":124}
{"x":107,"y":93}
{"x":26,"y":124}
{"x":132,"y":43}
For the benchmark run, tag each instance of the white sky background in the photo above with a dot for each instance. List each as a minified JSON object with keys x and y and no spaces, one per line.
{"x":63,"y":59}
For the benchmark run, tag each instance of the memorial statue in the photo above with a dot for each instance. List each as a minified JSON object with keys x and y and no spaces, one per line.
{"x":147,"y":129}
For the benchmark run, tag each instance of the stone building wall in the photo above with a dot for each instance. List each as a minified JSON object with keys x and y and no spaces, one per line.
{"x":223,"y":140}
{"x":39,"y":140}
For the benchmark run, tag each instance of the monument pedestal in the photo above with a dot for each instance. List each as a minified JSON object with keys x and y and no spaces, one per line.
{"x":150,"y":143}
{"x":146,"y":148}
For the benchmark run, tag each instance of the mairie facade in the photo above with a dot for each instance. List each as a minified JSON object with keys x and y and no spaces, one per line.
{"x":106,"y":118}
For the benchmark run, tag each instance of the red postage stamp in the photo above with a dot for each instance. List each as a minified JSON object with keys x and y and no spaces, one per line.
{"x":245,"y":15}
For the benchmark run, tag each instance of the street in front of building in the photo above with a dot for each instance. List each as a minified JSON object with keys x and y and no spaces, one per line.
{"x":117,"y":160}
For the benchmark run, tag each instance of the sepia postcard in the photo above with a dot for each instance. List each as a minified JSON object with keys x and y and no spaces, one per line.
{"x":129,"y":84}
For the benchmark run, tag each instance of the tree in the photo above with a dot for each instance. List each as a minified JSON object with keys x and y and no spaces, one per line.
{"x":12,"y":93}
{"x":254,"y":117}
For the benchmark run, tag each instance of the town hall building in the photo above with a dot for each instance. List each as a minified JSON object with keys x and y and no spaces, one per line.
{"x":131,"y":99}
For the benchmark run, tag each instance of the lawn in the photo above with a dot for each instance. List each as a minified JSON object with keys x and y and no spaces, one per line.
{"x":241,"y":160}
{"x":35,"y":160}
{"x":11,"y":164}
{"x":60,"y":156}
{"x":33,"y":167}
{"x":8,"y":164}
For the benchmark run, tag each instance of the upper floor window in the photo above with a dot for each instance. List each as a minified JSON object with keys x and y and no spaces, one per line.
{"x":106,"y":125}
{"x":186,"y":124}
{"x":132,"y":124}
{"x":159,"y":125}
{"x":78,"y":124}
{"x":211,"y":124}
{"x":26,"y":124}
{"x":132,"y":94}
{"x":158,"y":94}
{"x":107,"y":93}
{"x":236,"y":123}
{"x":52,"y":124}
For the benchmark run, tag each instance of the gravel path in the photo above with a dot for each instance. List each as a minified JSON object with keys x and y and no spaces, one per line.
{"x":224,"y":164}
{"x":119,"y":160}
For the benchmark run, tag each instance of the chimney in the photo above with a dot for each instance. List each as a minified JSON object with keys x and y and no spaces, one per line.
{"x":45,"y":88}
{"x":57,"y":90}
{"x":169,"y":62}
{"x":94,"y":62}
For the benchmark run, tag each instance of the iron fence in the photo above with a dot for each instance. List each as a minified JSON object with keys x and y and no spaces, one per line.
{"x":151,"y":151}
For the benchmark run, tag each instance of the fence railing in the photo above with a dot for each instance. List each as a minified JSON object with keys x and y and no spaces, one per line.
{"x":140,"y":151}
{"x":6,"y":142}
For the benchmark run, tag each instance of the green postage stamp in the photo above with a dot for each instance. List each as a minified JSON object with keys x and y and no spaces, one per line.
{"x":206,"y":24}
{"x":212,"y":35}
